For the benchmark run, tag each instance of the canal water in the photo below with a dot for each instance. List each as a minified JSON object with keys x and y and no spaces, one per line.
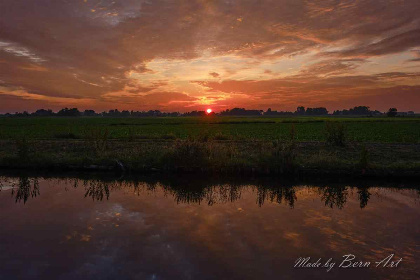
{"x":198,"y":228}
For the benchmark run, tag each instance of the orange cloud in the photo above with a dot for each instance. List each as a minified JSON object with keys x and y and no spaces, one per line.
{"x":262,"y":51}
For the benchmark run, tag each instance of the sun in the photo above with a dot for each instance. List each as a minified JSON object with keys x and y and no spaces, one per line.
{"x":209,"y":111}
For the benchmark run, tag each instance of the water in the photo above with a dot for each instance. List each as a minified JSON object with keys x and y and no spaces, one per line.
{"x":192,"y":228}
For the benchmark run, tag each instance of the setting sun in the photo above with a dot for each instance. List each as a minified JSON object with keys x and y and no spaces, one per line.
{"x":209,"y":111}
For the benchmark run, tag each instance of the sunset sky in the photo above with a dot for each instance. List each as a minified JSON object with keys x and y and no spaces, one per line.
{"x":188,"y":55}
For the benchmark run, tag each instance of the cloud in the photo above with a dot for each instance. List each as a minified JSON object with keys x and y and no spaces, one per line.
{"x":214,"y":74}
{"x":19,"y":51}
{"x":332,"y":67}
{"x":288,"y":93}
{"x":416,"y":54}
{"x":156,"y":100}
{"x":394,"y":44}
{"x":87,"y":49}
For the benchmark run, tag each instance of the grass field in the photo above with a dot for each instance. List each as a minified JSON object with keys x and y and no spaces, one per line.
{"x":381,"y":130}
{"x":328,"y":145}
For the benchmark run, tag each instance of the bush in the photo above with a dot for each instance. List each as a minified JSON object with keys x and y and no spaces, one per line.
{"x":335,"y":133}
{"x":23,"y":150}
{"x":189,"y":153}
{"x":364,"y":158}
{"x":284,"y":156}
{"x":98,"y":139}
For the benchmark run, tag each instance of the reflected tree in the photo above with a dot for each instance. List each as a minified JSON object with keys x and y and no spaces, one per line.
{"x":100,"y":189}
{"x":285,"y":194}
{"x":190,"y":192}
{"x":334,"y":196}
{"x":97,"y":190}
{"x":26,"y":188}
{"x":364,"y":196}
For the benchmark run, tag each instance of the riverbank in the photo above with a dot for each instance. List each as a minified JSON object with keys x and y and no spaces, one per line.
{"x":257,"y":157}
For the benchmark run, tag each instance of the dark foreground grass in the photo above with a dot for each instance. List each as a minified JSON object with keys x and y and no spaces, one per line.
{"x":214,"y":156}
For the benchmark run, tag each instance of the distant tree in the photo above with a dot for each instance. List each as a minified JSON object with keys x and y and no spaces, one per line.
{"x":66,"y":112}
{"x":89,"y":113}
{"x":125,"y":113}
{"x":360,"y":110}
{"x":316,"y":111}
{"x":300,"y":110}
{"x":195,"y":114}
{"x":241,"y":112}
{"x":392,"y":112}
{"x":277,"y":113}
{"x":43,"y":113}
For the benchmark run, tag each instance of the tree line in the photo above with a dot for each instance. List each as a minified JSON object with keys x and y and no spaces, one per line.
{"x":300,"y":111}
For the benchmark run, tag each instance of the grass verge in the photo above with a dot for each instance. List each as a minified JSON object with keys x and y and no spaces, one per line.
{"x":204,"y":154}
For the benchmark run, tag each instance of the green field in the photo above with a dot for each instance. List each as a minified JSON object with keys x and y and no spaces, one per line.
{"x":320,"y":145}
{"x":381,"y":130}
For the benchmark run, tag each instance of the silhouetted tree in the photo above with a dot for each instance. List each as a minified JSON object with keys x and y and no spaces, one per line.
{"x":300,"y":110}
{"x":43,"y":113}
{"x":392,"y":112}
{"x":66,"y":112}
{"x":357,"y":111}
{"x":241,"y":112}
{"x":316,"y":111}
{"x":277,"y":113}
{"x":89,"y":113}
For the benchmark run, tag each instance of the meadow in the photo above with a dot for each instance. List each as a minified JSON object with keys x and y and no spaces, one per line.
{"x":381,"y":130}
{"x":293,"y":145}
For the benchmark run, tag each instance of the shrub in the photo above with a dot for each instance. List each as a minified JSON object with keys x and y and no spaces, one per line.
{"x":364,"y":158}
{"x":189,"y":153}
{"x":98,"y":139}
{"x":335,"y":133}
{"x":23,"y":150}
{"x":284,"y":156}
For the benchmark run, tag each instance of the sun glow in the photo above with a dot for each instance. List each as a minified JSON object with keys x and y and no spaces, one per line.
{"x":209,"y":111}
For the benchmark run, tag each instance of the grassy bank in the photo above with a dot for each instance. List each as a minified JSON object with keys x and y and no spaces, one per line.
{"x":354,"y":146}
{"x":217,"y":156}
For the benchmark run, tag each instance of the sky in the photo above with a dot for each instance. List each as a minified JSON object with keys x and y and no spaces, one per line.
{"x":189,"y":55}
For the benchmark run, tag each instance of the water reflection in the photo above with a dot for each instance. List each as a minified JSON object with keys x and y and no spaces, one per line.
{"x":202,"y":228}
{"x":195,"y":192}
{"x":22,"y":188}
{"x":334,"y":196}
